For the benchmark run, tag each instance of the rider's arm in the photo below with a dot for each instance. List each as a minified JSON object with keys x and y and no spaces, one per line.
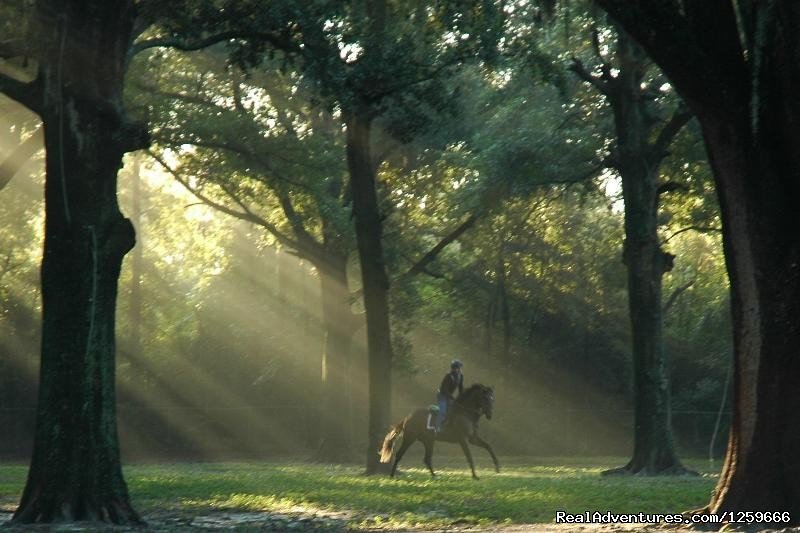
{"x":443,"y":388}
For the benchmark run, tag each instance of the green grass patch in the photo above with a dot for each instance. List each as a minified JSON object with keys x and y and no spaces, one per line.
{"x":522,"y":493}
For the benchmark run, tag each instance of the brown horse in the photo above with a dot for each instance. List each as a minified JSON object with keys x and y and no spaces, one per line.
{"x":461,"y":426}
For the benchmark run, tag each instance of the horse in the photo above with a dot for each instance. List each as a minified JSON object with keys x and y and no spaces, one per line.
{"x":461,"y":426}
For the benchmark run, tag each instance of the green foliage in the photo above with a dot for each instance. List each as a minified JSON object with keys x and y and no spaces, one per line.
{"x":244,"y":142}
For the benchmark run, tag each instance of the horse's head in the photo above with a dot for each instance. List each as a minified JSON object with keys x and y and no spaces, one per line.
{"x":477,"y":399}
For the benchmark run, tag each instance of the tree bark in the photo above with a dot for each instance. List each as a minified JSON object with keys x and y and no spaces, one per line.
{"x":758,"y":191}
{"x":749,"y":109}
{"x":75,"y":472}
{"x":375,"y":282}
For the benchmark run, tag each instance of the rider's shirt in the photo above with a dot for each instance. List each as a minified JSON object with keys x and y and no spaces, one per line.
{"x":450,"y":383}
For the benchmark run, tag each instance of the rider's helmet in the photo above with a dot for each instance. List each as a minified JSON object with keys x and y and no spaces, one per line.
{"x":455,"y":363}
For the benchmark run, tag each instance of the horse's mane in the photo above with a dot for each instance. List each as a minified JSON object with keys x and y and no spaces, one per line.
{"x":469,"y":392}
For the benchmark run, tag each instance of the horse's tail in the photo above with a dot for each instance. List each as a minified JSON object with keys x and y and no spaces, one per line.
{"x":390,"y":439}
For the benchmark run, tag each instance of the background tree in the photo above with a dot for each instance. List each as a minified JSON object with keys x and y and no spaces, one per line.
{"x":642,"y":141}
{"x":272,"y":159}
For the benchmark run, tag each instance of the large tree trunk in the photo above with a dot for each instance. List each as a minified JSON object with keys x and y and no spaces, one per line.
{"x":337,"y":321}
{"x":375,"y":283}
{"x":758,"y":187}
{"x":75,"y":472}
{"x":749,"y":109}
{"x":646,"y":263}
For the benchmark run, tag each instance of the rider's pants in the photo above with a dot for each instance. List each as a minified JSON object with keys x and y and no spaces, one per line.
{"x":444,"y":402}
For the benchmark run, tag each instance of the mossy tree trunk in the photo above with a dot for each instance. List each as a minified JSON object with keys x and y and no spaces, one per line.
{"x":375,"y":282}
{"x":646,"y":263}
{"x":637,"y":155}
{"x":75,"y":472}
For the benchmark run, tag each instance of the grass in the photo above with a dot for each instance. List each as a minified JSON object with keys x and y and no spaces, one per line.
{"x":522,"y":493}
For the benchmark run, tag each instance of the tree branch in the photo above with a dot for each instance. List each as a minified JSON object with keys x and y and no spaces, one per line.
{"x":700,"y":229}
{"x":281,"y":42}
{"x":304,"y":238}
{"x":25,"y":93}
{"x":597,"y":81}
{"x":420,"y":266}
{"x":430,"y":256}
{"x":245,"y":214}
{"x":605,"y":66}
{"x":237,"y":97}
{"x":679,"y":119}
{"x":256,"y":157}
{"x":180,"y":96}
{"x":234,"y":148}
{"x":577,"y":178}
{"x":674,"y":296}
{"x":432,"y":73}
{"x":669,"y":186}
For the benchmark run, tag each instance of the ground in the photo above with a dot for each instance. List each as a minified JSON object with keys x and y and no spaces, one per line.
{"x":301,"y":523}
{"x":289,"y":496}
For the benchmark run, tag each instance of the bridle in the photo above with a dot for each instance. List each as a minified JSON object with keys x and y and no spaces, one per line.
{"x":478,"y":411}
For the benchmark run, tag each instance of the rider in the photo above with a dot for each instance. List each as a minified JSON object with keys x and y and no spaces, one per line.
{"x":452,"y":380}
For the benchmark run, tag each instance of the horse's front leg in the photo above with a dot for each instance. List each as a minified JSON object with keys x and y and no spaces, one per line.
{"x":464,"y":446}
{"x":477,"y":441}
{"x":428,"y":443}
{"x":400,"y":453}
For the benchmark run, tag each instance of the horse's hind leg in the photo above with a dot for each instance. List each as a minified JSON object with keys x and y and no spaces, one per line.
{"x":428,"y":443}
{"x":468,"y":454}
{"x":407,"y":442}
{"x":477,"y":441}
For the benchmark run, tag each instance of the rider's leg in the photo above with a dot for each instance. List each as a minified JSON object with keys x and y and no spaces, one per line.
{"x":441,"y":399}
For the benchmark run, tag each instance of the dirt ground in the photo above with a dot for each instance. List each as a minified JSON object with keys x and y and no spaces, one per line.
{"x":299,"y":520}
{"x":265,"y":521}
{"x":287,"y":522}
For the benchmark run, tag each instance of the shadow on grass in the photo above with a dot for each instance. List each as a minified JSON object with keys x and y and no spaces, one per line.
{"x":283,"y":496}
{"x":518,"y":495}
